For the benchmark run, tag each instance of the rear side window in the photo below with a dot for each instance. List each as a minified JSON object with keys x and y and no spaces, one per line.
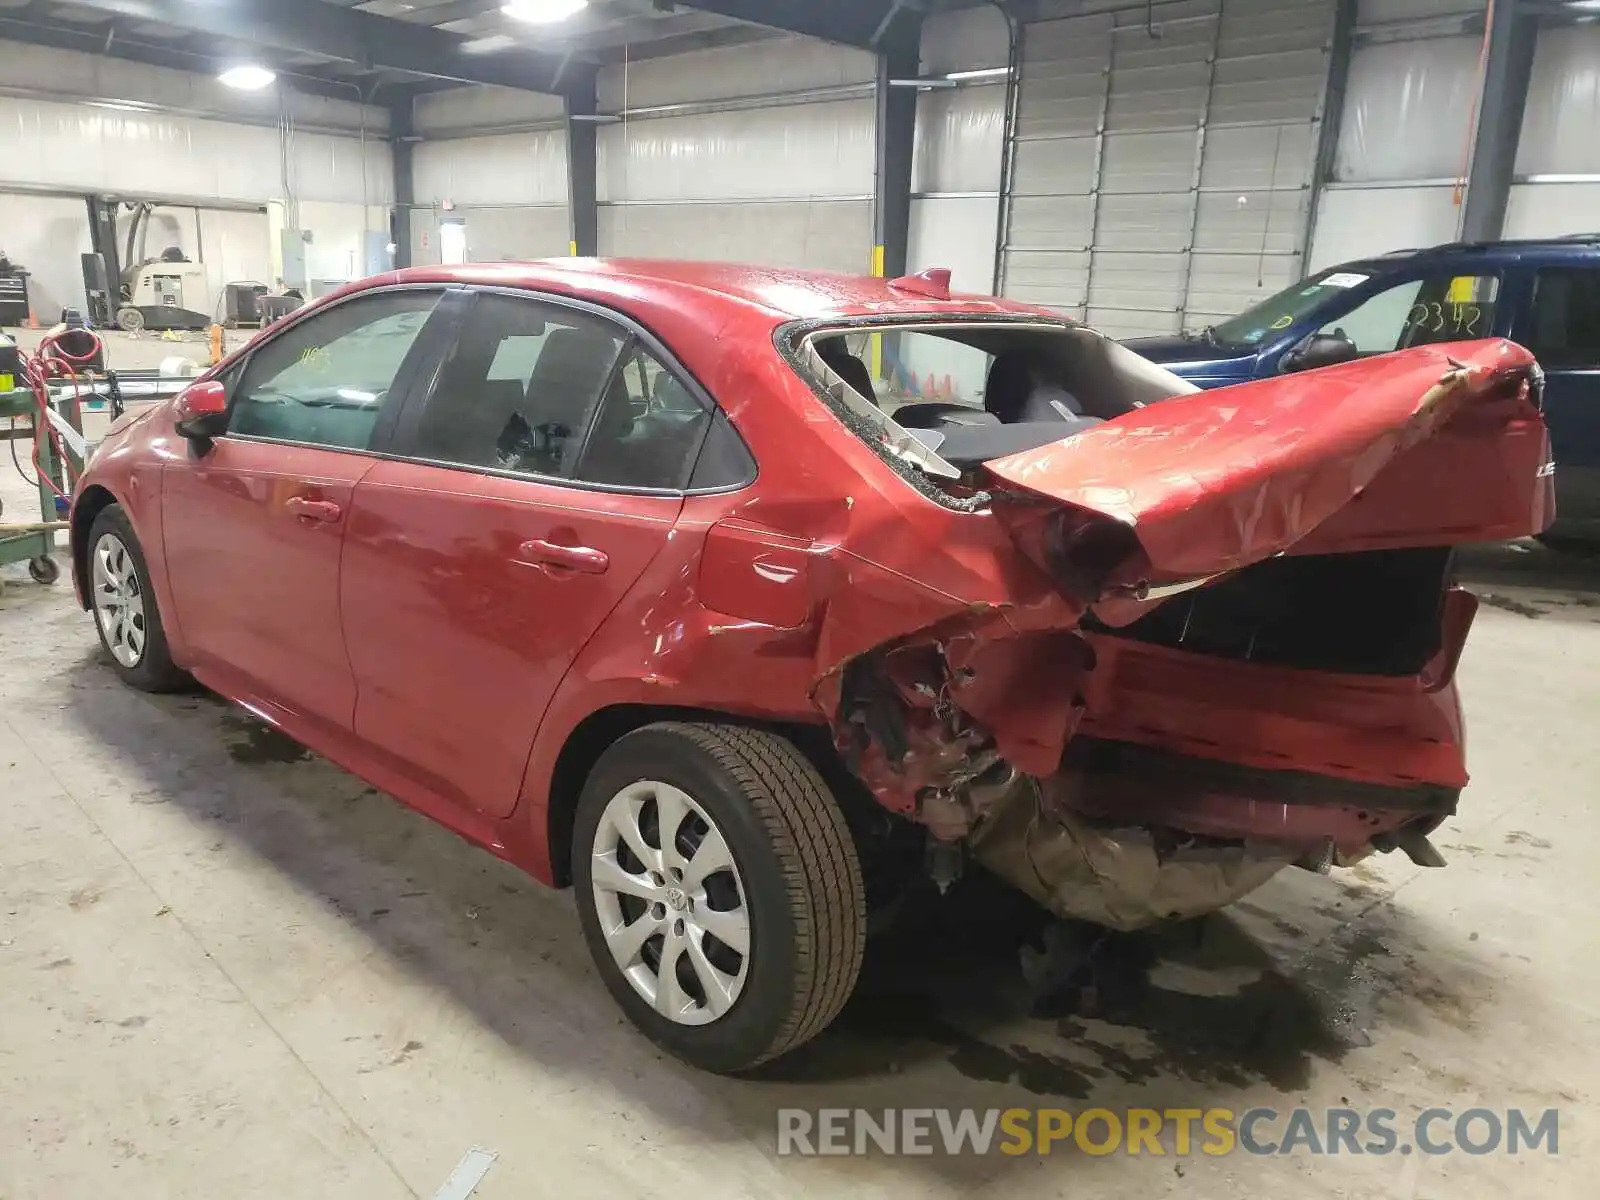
{"x":1566,"y":318}
{"x":648,"y":429}
{"x":517,"y":390}
{"x":324,"y":382}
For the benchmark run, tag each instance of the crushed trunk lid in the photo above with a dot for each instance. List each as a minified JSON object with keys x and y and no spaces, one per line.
{"x":1432,"y":446}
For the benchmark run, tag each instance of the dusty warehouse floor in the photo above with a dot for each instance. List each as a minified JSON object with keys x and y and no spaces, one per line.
{"x":228,"y":969}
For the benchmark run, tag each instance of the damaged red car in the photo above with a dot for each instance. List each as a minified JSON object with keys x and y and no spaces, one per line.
{"x":638,"y":575}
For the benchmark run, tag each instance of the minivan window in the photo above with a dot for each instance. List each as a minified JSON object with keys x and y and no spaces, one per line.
{"x":1418,"y":312}
{"x":1566,"y":317}
{"x":1276,"y":314}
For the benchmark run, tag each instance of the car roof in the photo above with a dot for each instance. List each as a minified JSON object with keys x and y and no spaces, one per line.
{"x":779,"y":293}
{"x":1577,"y":248}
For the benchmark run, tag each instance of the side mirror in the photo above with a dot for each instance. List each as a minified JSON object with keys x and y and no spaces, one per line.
{"x":201,"y":408}
{"x":1319,"y":350}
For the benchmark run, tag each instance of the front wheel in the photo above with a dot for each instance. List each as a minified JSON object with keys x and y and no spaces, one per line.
{"x":124,"y":604}
{"x":719,"y":891}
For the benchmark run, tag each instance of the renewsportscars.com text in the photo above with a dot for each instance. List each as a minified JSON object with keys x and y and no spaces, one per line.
{"x":1175,"y":1131}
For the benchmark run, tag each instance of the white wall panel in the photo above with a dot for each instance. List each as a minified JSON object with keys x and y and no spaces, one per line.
{"x":69,"y":75}
{"x":77,"y":146}
{"x":510,"y":168}
{"x":516,"y":232}
{"x":1355,"y":222}
{"x":834,"y":235}
{"x":1407,"y":108}
{"x":468,"y":108}
{"x":337,"y":250}
{"x":959,"y":140}
{"x":1561,"y":124}
{"x":799,"y":150}
{"x":789,"y":64}
{"x":45,"y":235}
{"x":955,"y":232}
{"x":1552,"y":209}
{"x":235,"y":248}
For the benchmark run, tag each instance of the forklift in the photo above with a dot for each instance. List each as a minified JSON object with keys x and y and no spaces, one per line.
{"x":159,"y":293}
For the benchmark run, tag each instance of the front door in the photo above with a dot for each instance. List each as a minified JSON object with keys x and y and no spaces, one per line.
{"x":254,"y":524}
{"x":1564,"y":334}
{"x":538,"y":484}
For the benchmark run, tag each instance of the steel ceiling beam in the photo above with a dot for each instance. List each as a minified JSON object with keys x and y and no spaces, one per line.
{"x":350,"y":35}
{"x":91,"y":39}
{"x":860,"y":23}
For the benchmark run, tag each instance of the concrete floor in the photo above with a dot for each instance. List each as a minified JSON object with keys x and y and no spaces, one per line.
{"x":228,"y":969}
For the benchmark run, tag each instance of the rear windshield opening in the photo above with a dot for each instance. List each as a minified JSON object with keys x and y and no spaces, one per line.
{"x":944,"y":397}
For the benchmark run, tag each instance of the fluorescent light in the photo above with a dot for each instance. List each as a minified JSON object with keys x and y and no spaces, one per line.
{"x":981,"y":73}
{"x":543,"y":12}
{"x":248,"y":77}
{"x":1586,"y":5}
{"x":489,"y":45}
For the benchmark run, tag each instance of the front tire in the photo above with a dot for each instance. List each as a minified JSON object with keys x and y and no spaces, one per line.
{"x":124,"y":606}
{"x":737,"y":935}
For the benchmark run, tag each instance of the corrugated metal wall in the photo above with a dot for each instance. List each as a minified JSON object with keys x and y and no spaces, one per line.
{"x":760,"y":153}
{"x":510,"y":188}
{"x":1164,"y":159}
{"x":74,"y":123}
{"x":955,"y":171}
{"x":1403,"y":141}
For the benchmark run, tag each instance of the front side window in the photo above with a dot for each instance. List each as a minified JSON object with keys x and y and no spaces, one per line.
{"x":325,"y":381}
{"x":1566,"y":318}
{"x":1436,"y":308}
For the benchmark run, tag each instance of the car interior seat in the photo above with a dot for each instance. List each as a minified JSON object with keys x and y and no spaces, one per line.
{"x":847,"y":366}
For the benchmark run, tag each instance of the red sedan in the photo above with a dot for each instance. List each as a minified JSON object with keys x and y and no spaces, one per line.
{"x":635,"y":574}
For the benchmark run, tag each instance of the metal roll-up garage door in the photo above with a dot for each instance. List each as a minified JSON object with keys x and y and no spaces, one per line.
{"x":1163,"y":159}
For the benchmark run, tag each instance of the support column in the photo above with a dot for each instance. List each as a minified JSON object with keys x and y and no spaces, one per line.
{"x":402,"y":145}
{"x":1330,"y":118}
{"x":899,"y":57}
{"x":583,"y":211}
{"x":1513,"y":34}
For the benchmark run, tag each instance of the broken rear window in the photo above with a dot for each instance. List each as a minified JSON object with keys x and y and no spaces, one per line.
{"x":944,"y":396}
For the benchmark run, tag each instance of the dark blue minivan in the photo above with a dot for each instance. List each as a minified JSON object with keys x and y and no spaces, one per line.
{"x":1544,"y":295}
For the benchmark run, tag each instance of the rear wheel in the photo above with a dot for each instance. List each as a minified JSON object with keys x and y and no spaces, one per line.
{"x":125,"y":609}
{"x":719,"y":891}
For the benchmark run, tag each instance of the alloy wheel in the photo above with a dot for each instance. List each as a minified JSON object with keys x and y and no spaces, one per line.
{"x":119,"y":600}
{"x":671,"y":902}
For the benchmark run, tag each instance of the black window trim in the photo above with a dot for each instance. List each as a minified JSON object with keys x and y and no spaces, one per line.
{"x":413,"y":367}
{"x":417,"y":399}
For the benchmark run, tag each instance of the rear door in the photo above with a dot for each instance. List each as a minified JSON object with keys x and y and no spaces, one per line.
{"x":1564,"y":334}
{"x":253,"y":526}
{"x":525,"y":497}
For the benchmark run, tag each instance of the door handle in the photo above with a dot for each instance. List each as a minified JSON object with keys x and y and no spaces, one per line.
{"x":314,"y":510}
{"x":575,"y":558}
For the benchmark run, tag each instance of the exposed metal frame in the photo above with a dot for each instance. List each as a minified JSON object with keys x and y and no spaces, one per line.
{"x":1330,"y":117}
{"x":896,"y":129}
{"x":353,"y":36}
{"x":582,"y":171}
{"x":1513,"y":34}
{"x":402,"y":148}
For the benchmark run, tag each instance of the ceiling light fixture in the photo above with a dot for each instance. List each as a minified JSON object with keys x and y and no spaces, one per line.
{"x":981,"y":73}
{"x":248,"y":77}
{"x":543,"y":12}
